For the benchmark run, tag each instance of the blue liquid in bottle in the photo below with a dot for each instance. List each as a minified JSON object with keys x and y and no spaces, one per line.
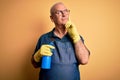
{"x":46,"y":60}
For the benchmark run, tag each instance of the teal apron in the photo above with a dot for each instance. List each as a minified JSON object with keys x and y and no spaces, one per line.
{"x":64,"y":64}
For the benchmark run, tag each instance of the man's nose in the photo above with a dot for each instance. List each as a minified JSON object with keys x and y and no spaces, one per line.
{"x":63,"y":14}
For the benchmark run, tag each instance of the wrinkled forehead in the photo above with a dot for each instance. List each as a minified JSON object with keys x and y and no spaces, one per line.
{"x":58,"y":6}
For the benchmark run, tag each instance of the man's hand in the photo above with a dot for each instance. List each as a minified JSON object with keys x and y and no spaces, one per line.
{"x":72,"y":31}
{"x":45,"y":50}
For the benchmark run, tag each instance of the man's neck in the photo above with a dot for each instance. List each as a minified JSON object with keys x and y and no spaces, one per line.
{"x":60,"y":31}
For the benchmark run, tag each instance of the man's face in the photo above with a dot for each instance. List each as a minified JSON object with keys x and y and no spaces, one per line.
{"x":60,"y":14}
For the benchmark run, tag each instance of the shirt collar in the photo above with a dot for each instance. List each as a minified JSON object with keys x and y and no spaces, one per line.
{"x":52,"y":35}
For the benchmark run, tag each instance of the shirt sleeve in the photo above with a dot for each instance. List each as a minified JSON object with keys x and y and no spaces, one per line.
{"x":36,"y":64}
{"x":38,"y":46}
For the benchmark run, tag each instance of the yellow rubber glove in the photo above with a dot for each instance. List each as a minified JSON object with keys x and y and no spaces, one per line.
{"x":45,"y":50}
{"x":72,"y":31}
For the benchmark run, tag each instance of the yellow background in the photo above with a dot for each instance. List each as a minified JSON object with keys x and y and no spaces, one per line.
{"x":23,"y":21}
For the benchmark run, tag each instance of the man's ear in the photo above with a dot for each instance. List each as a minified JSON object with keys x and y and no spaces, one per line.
{"x":51,"y":17}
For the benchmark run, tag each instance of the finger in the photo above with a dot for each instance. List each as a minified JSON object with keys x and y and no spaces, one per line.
{"x":50,"y":46}
{"x":69,"y":19}
{"x":67,"y":25}
{"x":47,"y":53}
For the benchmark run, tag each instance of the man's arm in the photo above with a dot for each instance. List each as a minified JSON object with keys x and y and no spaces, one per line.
{"x":34,"y":63}
{"x":82,"y":53}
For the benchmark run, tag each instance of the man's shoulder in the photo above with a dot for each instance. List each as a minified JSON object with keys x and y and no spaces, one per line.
{"x":46,"y":34}
{"x":45,"y":38}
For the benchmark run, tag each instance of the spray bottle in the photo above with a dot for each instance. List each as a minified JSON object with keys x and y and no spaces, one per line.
{"x":46,"y":60}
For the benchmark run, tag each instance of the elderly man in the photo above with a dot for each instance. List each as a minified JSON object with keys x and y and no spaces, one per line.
{"x":69,"y":48}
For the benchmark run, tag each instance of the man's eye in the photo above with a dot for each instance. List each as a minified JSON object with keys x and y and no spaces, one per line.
{"x":58,"y":12}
